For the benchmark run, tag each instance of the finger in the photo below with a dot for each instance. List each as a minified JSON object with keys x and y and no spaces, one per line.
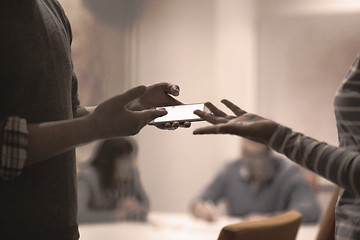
{"x":215,"y":110}
{"x":174,"y":90}
{"x":172,"y":125}
{"x":185,"y":124}
{"x":210,"y":117}
{"x":169,"y":88}
{"x":164,"y":126}
{"x":150,"y":114}
{"x":235,"y":109}
{"x":132,"y":94}
{"x":175,"y":125}
{"x":169,"y":100}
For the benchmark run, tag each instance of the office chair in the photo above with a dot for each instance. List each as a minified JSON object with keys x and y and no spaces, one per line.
{"x":281,"y":227}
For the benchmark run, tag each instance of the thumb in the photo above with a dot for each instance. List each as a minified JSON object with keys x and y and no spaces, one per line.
{"x":150,"y":114}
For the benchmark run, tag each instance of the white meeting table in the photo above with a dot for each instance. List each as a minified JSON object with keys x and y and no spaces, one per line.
{"x":170,"y":226}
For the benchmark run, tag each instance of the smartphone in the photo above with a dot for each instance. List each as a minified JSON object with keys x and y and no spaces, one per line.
{"x":180,"y":113}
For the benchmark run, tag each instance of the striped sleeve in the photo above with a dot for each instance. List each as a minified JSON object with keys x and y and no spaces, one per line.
{"x":338,"y":165}
{"x":347,"y":109}
{"x":14,"y":147}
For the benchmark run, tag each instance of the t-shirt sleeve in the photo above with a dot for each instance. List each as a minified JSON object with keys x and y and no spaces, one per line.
{"x":14,"y":137}
{"x":74,"y":94}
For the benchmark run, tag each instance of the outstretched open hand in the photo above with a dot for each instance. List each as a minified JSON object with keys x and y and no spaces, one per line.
{"x":243,"y":124}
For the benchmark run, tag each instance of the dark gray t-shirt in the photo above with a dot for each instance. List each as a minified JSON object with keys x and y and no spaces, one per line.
{"x":37,"y":83}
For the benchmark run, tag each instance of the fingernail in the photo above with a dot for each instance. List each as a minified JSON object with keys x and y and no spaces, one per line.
{"x":175,"y":89}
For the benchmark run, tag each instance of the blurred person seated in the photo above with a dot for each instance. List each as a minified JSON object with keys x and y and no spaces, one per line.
{"x":109,"y":187}
{"x":256,"y":186}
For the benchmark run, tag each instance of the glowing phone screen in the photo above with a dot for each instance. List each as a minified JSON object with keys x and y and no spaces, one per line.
{"x":181,"y":113}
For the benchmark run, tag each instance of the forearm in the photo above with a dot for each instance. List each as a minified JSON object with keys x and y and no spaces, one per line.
{"x":52,"y":138}
{"x":110,"y":119}
{"x":338,"y":165}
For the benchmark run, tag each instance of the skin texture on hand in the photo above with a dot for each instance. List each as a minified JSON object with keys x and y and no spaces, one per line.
{"x":205,"y":210}
{"x":130,"y":206}
{"x":159,"y":95}
{"x":243,"y":124}
{"x":156,"y":95}
{"x":112,"y":118}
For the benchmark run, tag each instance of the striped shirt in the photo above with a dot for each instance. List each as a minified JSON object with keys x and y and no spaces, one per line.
{"x":341,"y":165}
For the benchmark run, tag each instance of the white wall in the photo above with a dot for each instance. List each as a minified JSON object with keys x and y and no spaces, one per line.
{"x":306,"y":49}
{"x":281,"y":58}
{"x":207,"y":47}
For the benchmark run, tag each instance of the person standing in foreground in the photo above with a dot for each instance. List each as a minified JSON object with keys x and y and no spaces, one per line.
{"x":341,"y":165}
{"x":41,"y":121}
{"x":257,"y":185}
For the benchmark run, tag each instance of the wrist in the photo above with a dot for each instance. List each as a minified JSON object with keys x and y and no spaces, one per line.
{"x":91,"y":127}
{"x":271,"y":130}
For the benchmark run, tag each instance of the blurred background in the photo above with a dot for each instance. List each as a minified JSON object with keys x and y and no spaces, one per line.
{"x":279,"y":58}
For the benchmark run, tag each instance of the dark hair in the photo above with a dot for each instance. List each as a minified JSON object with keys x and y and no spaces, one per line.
{"x":107,"y":152}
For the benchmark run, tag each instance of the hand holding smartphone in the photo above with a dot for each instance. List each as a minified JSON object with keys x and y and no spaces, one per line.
{"x":180,"y":113}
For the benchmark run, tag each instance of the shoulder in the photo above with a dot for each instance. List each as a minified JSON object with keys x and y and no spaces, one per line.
{"x":232,"y":165}
{"x":59,"y":12}
{"x":55,"y":6}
